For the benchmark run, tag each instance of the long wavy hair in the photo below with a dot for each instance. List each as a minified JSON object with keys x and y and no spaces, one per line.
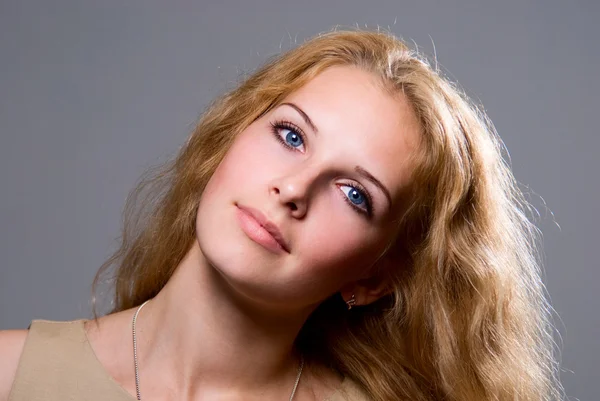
{"x":468,"y":318}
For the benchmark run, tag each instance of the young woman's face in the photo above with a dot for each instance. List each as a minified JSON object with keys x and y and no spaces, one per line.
{"x":325,"y":169}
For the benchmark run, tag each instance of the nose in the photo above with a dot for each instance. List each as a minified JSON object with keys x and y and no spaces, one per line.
{"x":293,"y":190}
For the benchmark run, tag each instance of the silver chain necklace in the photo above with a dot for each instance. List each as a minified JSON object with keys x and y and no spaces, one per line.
{"x":136,"y":366}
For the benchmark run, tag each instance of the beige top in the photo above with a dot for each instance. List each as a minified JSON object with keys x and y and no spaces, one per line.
{"x":59,"y":364}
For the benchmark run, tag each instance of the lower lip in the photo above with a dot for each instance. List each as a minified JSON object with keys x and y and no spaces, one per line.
{"x":257,"y":233}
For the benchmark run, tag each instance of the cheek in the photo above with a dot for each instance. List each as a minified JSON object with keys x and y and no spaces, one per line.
{"x":246,"y":165}
{"x":338,"y":247}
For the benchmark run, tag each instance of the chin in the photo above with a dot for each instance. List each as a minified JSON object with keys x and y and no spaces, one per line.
{"x":244,"y":271}
{"x":251,"y":272}
{"x":225,"y":247}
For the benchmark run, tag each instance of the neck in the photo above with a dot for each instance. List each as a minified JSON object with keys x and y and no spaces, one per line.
{"x":197,"y":334}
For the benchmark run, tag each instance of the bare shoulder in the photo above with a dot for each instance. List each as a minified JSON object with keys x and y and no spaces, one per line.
{"x":11,"y":347}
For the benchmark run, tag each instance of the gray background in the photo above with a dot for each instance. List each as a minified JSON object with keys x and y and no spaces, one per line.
{"x":92,"y":93}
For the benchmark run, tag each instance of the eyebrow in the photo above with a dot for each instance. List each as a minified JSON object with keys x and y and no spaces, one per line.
{"x":305,"y":116}
{"x":358,"y":169}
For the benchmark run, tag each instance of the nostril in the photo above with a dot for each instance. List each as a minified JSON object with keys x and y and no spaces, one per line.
{"x":293,"y":206}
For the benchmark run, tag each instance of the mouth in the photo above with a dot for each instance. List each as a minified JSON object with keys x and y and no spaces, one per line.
{"x":261,"y":230}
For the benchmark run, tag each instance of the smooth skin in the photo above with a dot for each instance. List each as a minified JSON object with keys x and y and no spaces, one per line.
{"x":224,"y":325}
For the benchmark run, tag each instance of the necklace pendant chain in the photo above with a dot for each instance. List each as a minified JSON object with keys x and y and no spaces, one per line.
{"x":135,"y":358}
{"x":136,"y":365}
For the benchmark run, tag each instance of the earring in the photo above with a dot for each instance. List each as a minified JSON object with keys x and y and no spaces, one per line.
{"x":351,"y":302}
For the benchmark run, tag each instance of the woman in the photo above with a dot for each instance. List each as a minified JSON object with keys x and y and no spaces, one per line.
{"x":341,"y":226}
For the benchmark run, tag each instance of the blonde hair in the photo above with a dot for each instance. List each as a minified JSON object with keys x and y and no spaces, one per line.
{"x":468,"y":318}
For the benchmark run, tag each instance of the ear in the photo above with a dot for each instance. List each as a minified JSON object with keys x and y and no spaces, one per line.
{"x":374,"y":285}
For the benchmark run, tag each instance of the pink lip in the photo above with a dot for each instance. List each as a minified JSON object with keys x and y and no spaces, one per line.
{"x":256,"y":226}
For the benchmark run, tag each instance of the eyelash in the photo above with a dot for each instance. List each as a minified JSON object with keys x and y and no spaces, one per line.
{"x":284,"y":124}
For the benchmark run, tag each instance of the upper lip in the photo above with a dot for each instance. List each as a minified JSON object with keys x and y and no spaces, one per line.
{"x":267,"y":225}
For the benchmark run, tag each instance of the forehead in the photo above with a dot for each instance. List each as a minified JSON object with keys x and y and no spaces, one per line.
{"x":355,"y":116}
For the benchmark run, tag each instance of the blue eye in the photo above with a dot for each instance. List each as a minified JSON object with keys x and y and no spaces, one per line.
{"x":293,"y":139}
{"x":357,"y":198}
{"x":290,"y":135}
